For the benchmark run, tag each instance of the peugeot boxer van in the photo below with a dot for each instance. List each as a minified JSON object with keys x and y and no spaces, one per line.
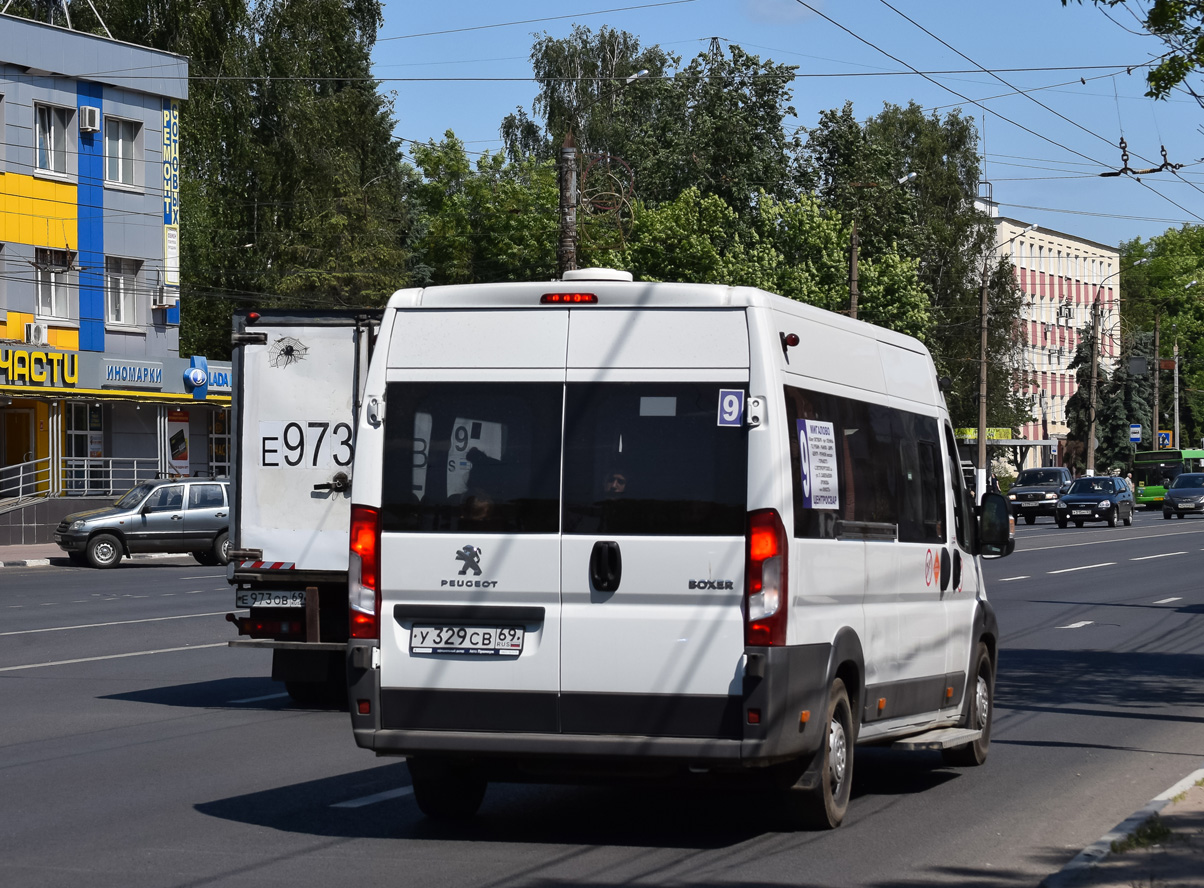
{"x":604,"y":526}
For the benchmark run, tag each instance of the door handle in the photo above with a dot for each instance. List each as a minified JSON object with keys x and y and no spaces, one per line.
{"x":606,"y":566}
{"x":177,"y":517}
{"x":220,"y":515}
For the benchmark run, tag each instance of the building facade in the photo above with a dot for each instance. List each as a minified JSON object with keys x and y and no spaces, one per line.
{"x":1061,"y":277}
{"x":93,"y":391}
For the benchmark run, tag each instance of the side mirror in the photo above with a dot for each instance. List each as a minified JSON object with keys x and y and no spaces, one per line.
{"x":996,"y":527}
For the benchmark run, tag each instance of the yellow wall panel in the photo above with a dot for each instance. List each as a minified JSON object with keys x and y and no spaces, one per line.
{"x":64,"y":339}
{"x":38,"y":212}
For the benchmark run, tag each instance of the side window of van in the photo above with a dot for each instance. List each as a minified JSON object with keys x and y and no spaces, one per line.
{"x":471,"y":456}
{"x":853,"y":461}
{"x":655,"y":458}
{"x":962,"y":508}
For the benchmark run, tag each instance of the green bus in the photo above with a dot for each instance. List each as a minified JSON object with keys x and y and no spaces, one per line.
{"x":1154,"y":470}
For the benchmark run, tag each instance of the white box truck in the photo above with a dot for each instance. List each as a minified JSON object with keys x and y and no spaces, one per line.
{"x":605,"y":527}
{"x":298,"y":383}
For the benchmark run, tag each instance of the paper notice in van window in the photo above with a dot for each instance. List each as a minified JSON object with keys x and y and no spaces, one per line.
{"x":470,"y":435}
{"x":817,"y":469}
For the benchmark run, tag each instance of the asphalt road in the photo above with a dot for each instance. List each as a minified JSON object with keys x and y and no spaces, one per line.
{"x":136,"y":749}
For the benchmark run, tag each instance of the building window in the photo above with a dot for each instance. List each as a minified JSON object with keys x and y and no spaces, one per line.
{"x":54,"y":282}
{"x":219,"y":444}
{"x":84,"y":440}
{"x":121,"y":147}
{"x":121,"y":281}
{"x":52,"y":138}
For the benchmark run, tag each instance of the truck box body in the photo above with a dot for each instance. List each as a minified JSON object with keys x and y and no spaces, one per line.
{"x":298,"y":378}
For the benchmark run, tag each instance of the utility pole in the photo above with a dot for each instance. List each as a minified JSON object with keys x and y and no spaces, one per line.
{"x":980,"y":472}
{"x":566,"y":251}
{"x":853,"y":292}
{"x":1178,"y":442}
{"x":1157,"y":376}
{"x":1094,"y":372}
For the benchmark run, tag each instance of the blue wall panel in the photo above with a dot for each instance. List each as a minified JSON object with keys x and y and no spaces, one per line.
{"x":91,"y":228}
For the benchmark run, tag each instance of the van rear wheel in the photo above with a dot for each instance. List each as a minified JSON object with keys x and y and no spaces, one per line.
{"x":821,"y":796}
{"x":446,"y":790}
{"x":980,"y":706}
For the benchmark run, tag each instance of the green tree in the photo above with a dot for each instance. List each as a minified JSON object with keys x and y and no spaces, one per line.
{"x":854,"y":168}
{"x":494,"y":222}
{"x":1179,"y":24}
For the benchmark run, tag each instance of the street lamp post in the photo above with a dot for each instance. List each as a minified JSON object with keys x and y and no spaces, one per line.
{"x":980,"y":473}
{"x":1095,"y":329}
{"x":566,"y":252}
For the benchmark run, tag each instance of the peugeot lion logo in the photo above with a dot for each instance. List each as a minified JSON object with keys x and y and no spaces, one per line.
{"x":471,"y":556}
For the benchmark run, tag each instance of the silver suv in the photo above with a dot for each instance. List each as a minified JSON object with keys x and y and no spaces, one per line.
{"x":168,"y":515}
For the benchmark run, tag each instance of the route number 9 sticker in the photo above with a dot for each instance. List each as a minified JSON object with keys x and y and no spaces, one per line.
{"x":731,"y":407}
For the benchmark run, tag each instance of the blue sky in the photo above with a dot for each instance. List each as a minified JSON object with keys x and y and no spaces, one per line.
{"x":1047,"y":175}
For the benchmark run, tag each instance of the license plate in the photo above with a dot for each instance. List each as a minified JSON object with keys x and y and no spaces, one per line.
{"x":481,"y":641}
{"x":265,"y":598}
{"x":1030,"y":505}
{"x":1186,"y":506}
{"x":1080,"y":511}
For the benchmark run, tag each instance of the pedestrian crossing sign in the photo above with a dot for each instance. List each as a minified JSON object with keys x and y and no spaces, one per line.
{"x":1164,"y":440}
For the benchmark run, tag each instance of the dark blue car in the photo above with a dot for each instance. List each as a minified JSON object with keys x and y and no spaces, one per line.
{"x":1099,"y":498}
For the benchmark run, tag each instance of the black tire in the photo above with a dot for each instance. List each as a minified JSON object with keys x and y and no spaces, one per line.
{"x":446,"y":790}
{"x":1030,"y":519}
{"x":1129,"y":518}
{"x":104,"y":551}
{"x":1112,"y":516}
{"x":978,"y":713}
{"x":1061,"y":522}
{"x":821,"y":797}
{"x":206,"y":558}
{"x":1166,"y":515}
{"x":221,"y":548}
{"x":1078,"y":524}
{"x":78,"y":558}
{"x":1178,"y":514}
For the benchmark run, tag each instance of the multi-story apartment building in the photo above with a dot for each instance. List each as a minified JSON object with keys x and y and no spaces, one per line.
{"x":93,"y":391}
{"x":1061,"y":276}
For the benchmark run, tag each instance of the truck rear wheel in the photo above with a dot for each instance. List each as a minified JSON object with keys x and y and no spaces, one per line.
{"x":980,"y":706}
{"x":446,"y":790}
{"x":821,"y":797}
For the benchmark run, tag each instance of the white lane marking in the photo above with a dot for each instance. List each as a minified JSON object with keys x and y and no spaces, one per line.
{"x":194,"y":647}
{"x":114,"y":623}
{"x":258,"y":699}
{"x":1079,"y":625}
{"x":1163,"y":555}
{"x":1167,"y":600}
{"x":47,"y":604}
{"x":379,"y":797}
{"x":1009,"y":579}
{"x":1067,"y":570}
{"x":202,"y":577}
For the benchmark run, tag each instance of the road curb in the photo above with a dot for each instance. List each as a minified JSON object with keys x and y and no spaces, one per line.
{"x":45,"y":562}
{"x":1100,"y":849}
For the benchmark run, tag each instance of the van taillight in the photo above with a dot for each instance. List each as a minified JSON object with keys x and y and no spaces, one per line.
{"x":364,"y":570}
{"x":765,"y":580}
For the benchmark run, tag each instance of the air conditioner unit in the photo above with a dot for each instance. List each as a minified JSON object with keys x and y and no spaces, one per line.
{"x":37,"y":334}
{"x":160,"y":298}
{"x":89,"y":119}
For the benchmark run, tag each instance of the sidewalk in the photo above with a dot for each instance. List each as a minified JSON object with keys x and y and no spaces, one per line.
{"x":40,"y":555}
{"x":1166,"y":846}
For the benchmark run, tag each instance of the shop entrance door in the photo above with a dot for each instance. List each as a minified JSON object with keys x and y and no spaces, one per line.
{"x":18,"y":448}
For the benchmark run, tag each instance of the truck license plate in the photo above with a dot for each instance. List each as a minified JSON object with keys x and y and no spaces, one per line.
{"x":482,"y":641}
{"x":269,"y":598}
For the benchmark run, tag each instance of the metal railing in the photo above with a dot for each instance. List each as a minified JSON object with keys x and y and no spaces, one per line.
{"x":104,"y":476}
{"x":26,"y":479}
{"x":74,"y":476}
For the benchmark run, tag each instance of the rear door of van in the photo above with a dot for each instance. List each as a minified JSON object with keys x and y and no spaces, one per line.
{"x":562,"y":521}
{"x":655,"y":504}
{"x":470,"y":515}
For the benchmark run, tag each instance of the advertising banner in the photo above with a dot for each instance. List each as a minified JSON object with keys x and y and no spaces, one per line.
{"x":177,"y":441}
